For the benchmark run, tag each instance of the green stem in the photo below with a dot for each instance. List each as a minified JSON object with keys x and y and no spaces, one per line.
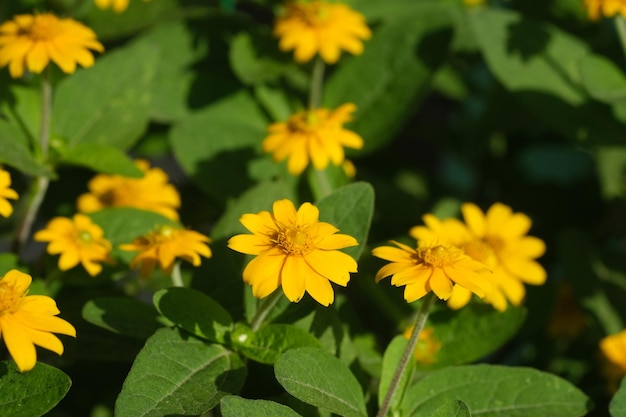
{"x":317,"y":83}
{"x":177,"y":278}
{"x":264,"y":309}
{"x":420,"y":321}
{"x":620,"y":26}
{"x":325,"y":188}
{"x":40,"y":186}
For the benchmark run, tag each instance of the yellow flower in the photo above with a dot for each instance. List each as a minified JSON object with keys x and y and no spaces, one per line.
{"x":434,"y":266}
{"x":152,"y":192}
{"x":78,"y":240}
{"x":6,"y":209}
{"x":607,"y":8}
{"x":118,"y":5}
{"x":427,"y":346}
{"x":320,"y":27}
{"x":294,"y":250}
{"x":315,"y":135}
{"x":31,"y":41}
{"x":28,"y":320}
{"x":614,"y":349}
{"x":162,"y":246}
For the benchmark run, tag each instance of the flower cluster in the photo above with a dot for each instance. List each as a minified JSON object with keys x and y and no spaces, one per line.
{"x":607,"y":8}
{"x":118,"y":6}
{"x":489,"y":255}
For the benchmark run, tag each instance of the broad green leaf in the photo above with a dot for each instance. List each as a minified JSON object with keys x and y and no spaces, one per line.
{"x":496,"y":391}
{"x":350,"y":209}
{"x":268,"y":343}
{"x":386,"y":83}
{"x":8,"y":261}
{"x":109,"y":103}
{"x":125,"y":316}
{"x":195,"y":312}
{"x":611,"y":167}
{"x":233,"y":406}
{"x":215,"y":144}
{"x":21,"y":107}
{"x":604,"y":80}
{"x":471,"y":333}
{"x":452,"y":408}
{"x":178,"y":374}
{"x":617,"y":406}
{"x":320,"y":379}
{"x":32,"y":393}
{"x":101,"y":158}
{"x":16,"y":151}
{"x":391,"y":359}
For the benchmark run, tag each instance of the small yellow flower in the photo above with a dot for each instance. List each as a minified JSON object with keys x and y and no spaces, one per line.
{"x":152,"y":192}
{"x":78,"y":240}
{"x":118,"y":6}
{"x":162,"y":246}
{"x":311,"y":27}
{"x":28,"y":320}
{"x":31,"y":41}
{"x":294,"y":250}
{"x":6,"y":209}
{"x":607,"y":8}
{"x":315,"y":135}
{"x":435,"y":266}
{"x":427,"y":346}
{"x":614,"y":349}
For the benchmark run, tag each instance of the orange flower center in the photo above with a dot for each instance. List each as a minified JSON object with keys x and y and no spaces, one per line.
{"x":312,"y":14}
{"x":9,"y":298}
{"x":304,"y":122}
{"x":295,"y":240}
{"x":439,"y":256}
{"x":84,"y":236}
{"x":43,"y":27}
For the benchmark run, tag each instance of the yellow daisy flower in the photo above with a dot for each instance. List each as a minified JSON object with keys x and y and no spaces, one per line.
{"x":31,"y":41}
{"x":118,"y":6}
{"x":152,"y":192}
{"x":294,"y":250}
{"x":314,"y":135}
{"x":6,"y":209}
{"x":614,"y":349}
{"x":607,"y":8}
{"x":434,"y":266}
{"x":28,"y":320}
{"x":311,"y":27}
{"x":78,"y":240}
{"x":162,"y":246}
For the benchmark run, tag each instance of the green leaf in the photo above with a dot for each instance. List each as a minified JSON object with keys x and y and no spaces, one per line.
{"x":320,"y":379}
{"x":176,"y":373}
{"x":16,"y":151}
{"x":109,"y":103}
{"x":452,"y":408}
{"x":233,"y":406}
{"x":125,"y":316}
{"x":268,"y":343}
{"x":391,"y":359}
{"x":350,"y":209}
{"x":214,"y":144}
{"x":32,"y":393}
{"x":471,"y":333}
{"x":611,"y":167}
{"x":496,"y":391}
{"x":195,"y":312}
{"x":101,"y":158}
{"x":387,"y":83}
{"x":617,"y":406}
{"x":8,"y":261}
{"x":603,"y":79}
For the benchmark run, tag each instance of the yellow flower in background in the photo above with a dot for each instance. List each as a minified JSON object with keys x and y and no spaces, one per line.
{"x":434,"y":266}
{"x":78,"y":240}
{"x":294,"y":250}
{"x":607,"y":8}
{"x":6,"y":192}
{"x":162,"y":246}
{"x":152,"y":192}
{"x":315,"y":136}
{"x":28,"y":320}
{"x":312,"y":27}
{"x":427,"y":346}
{"x":614,"y":349}
{"x":118,"y":6}
{"x":32,"y":41}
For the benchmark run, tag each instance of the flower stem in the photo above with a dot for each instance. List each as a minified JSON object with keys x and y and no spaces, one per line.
{"x":39,"y":187}
{"x":264,"y":309}
{"x":325,"y":188}
{"x":620,"y":26}
{"x":317,"y":83}
{"x":177,"y":278}
{"x":420,"y":320}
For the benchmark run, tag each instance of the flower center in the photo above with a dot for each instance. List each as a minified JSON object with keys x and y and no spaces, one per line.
{"x":304,"y":122}
{"x":84,"y":236}
{"x":438,"y":256}
{"x":313,"y":14}
{"x":496,"y":243}
{"x":8,"y":298}
{"x":44,"y":27}
{"x":481,"y":251}
{"x":295,"y":240}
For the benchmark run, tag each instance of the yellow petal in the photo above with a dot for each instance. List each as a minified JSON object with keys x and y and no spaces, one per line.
{"x":307,"y":214}
{"x":320,"y":289}
{"x":333,"y":265}
{"x":20,"y":347}
{"x":293,"y":277}
{"x":474,"y":218}
{"x":284,"y":212}
{"x":440,"y":284}
{"x":459,"y":298}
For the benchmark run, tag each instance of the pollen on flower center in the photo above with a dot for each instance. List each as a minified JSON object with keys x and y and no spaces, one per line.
{"x":44,"y":27}
{"x":495,"y":242}
{"x":8,"y":298}
{"x":479,"y":250}
{"x":438,"y":256}
{"x":84,"y":236}
{"x":295,"y":241}
{"x":314,"y":15}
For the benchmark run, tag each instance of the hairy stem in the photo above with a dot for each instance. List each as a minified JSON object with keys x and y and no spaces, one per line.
{"x":264,"y":309}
